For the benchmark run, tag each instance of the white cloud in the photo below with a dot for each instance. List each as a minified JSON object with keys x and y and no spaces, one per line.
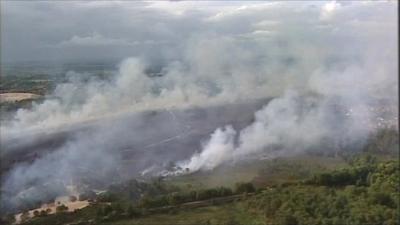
{"x":229,"y":12}
{"x":96,"y":39}
{"x":266,"y":24}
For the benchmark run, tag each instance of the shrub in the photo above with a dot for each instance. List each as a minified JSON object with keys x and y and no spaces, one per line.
{"x":244,"y":188}
{"x":61,"y":208}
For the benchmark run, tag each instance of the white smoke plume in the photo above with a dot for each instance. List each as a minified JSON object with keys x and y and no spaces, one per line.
{"x":216,"y":151}
{"x":338,"y":108}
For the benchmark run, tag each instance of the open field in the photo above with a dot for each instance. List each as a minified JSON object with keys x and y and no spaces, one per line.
{"x":262,"y":172}
{"x":51,"y":208}
{"x":15,"y":97}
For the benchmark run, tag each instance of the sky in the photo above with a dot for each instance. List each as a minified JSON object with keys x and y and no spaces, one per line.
{"x":162,"y":31}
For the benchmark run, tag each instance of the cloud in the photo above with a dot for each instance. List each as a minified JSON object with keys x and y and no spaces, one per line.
{"x":95,"y":40}
{"x":231,"y":12}
{"x":329,"y":9}
{"x":129,"y":26}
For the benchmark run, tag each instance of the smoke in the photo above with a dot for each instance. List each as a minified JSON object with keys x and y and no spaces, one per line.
{"x":291,"y":124}
{"x":331,"y":76}
{"x":337,"y":111}
{"x":216,"y":151}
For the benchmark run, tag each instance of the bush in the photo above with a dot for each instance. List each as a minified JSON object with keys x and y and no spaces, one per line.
{"x":61,"y":208}
{"x":72,"y":198}
{"x":132,"y":212}
{"x":88,"y":195}
{"x":43,"y":213}
{"x":107,"y":197}
{"x":244,"y":188}
{"x":288,"y":219}
{"x":36,"y":213}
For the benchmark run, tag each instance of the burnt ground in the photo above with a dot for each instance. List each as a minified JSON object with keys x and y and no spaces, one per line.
{"x":151,"y":137}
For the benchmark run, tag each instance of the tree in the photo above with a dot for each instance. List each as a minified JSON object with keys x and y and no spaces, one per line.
{"x":244,"y":188}
{"x":36,"y":213}
{"x":25,"y":216}
{"x":61,"y":208}
{"x":87,"y":195}
{"x":72,"y":198}
{"x":107,"y":210}
{"x":288,"y":219}
{"x":43,"y":213}
{"x":132,"y":212}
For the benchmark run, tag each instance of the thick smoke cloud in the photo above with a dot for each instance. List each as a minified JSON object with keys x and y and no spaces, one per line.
{"x":328,"y":66}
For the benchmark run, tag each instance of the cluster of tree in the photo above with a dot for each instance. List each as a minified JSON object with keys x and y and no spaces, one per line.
{"x":133,"y":190}
{"x":119,"y":209}
{"x":158,"y":193}
{"x":354,"y":176}
{"x":175,"y":198}
{"x":61,"y":208}
{"x":87,"y":195}
{"x":244,"y":187}
{"x":361,"y":173}
{"x":43,"y":212}
{"x":353,"y":196}
{"x":114,"y":211}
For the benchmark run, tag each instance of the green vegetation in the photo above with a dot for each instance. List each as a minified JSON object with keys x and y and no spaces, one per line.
{"x":61,"y":208}
{"x":366,"y":191}
{"x":363,"y":194}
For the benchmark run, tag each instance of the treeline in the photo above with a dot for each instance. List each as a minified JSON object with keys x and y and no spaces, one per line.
{"x":176,"y":198}
{"x":358,"y":174}
{"x":133,"y":190}
{"x":113,"y":206}
{"x":117,"y":209}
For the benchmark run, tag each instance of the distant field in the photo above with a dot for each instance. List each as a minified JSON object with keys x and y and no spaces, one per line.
{"x":16,"y":97}
{"x":35,"y":84}
{"x":41,"y":79}
{"x":22,"y":84}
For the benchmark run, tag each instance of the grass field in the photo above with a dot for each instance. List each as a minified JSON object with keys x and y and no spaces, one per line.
{"x":262,"y":172}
